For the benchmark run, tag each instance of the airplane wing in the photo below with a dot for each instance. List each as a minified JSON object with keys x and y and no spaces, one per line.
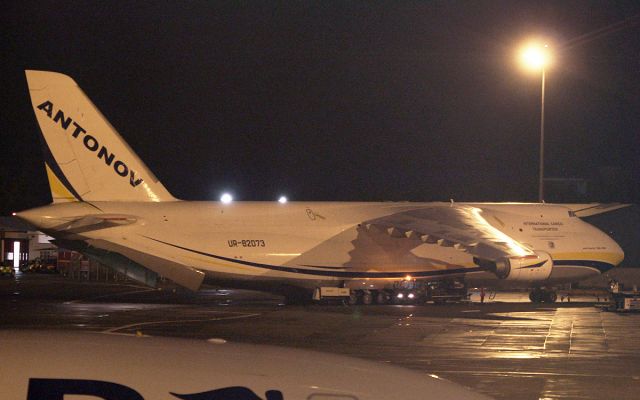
{"x":460,"y":226}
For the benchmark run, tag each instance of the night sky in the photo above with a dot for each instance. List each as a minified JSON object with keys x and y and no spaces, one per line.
{"x":348,"y":101}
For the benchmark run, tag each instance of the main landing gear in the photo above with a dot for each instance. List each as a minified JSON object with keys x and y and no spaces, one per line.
{"x":368,"y":297}
{"x":540,"y":295}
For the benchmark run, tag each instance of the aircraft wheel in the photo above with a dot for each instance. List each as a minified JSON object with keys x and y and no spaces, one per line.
{"x":382,"y":297}
{"x":353,"y":298}
{"x":551,"y":297}
{"x":367,"y":298}
{"x":535,"y":296}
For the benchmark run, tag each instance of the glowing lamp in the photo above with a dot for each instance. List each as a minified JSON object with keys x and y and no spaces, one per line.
{"x":535,"y":56}
{"x":226,"y":198}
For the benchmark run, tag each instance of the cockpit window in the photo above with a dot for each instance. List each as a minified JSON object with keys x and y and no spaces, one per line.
{"x":572,"y":214}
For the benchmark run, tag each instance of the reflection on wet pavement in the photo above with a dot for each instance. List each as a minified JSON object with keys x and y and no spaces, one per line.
{"x":510,"y":350}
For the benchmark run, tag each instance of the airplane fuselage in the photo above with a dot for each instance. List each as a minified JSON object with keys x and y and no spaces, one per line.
{"x":315,"y":244}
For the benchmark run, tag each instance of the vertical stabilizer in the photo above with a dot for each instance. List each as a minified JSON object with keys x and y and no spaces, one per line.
{"x":85,"y":157}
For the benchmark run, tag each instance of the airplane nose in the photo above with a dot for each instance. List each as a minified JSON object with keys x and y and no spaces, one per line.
{"x":601,"y":247}
{"x":616,"y":251}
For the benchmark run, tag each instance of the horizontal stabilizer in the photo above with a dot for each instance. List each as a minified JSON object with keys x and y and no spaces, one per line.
{"x":94,"y":222}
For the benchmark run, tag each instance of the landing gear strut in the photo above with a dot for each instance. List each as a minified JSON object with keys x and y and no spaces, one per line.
{"x":539,"y":295}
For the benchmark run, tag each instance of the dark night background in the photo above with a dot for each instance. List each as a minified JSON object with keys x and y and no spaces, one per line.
{"x":418,"y":101}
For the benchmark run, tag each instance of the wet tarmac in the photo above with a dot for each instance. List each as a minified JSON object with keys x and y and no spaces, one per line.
{"x":506,"y":348}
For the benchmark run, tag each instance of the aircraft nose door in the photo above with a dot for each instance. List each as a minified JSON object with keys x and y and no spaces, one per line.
{"x":617,"y":254}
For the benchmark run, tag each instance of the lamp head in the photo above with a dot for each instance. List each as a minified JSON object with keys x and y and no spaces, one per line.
{"x":535,"y":56}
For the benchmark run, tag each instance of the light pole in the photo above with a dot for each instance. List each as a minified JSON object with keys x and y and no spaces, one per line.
{"x":536,"y":57}
{"x":541,"y":181}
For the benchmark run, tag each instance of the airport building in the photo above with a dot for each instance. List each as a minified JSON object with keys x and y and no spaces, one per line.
{"x":20,"y":243}
{"x":23,"y":248}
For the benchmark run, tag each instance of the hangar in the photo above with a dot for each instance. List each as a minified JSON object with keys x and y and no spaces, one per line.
{"x":20,"y":242}
{"x":23,"y":247}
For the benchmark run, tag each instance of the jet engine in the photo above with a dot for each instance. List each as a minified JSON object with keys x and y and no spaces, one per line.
{"x":528,"y":268}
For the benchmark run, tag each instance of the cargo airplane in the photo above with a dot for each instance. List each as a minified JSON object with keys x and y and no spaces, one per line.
{"x":109,"y":206}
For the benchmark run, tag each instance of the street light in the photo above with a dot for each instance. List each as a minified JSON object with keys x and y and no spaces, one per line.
{"x":536,"y":57}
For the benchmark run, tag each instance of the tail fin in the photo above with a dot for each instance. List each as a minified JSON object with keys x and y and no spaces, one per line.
{"x":86,"y":159}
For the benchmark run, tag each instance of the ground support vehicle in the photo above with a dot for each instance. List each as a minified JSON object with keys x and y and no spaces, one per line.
{"x":7,"y":271}
{"x":402,"y":292}
{"x":41,"y":266}
{"x":623,"y":300}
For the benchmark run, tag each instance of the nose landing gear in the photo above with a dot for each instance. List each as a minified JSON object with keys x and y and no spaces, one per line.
{"x":540,"y":295}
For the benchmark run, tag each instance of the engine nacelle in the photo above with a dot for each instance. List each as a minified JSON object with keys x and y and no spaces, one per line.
{"x":528,"y":268}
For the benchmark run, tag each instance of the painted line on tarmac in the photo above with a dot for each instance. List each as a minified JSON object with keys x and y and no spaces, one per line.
{"x":114,"y":331}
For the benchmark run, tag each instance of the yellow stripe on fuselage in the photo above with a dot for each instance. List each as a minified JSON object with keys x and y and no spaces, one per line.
{"x":59,"y":191}
{"x":606,"y":257}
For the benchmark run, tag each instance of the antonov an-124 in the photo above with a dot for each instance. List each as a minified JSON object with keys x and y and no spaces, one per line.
{"x":109,"y":206}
